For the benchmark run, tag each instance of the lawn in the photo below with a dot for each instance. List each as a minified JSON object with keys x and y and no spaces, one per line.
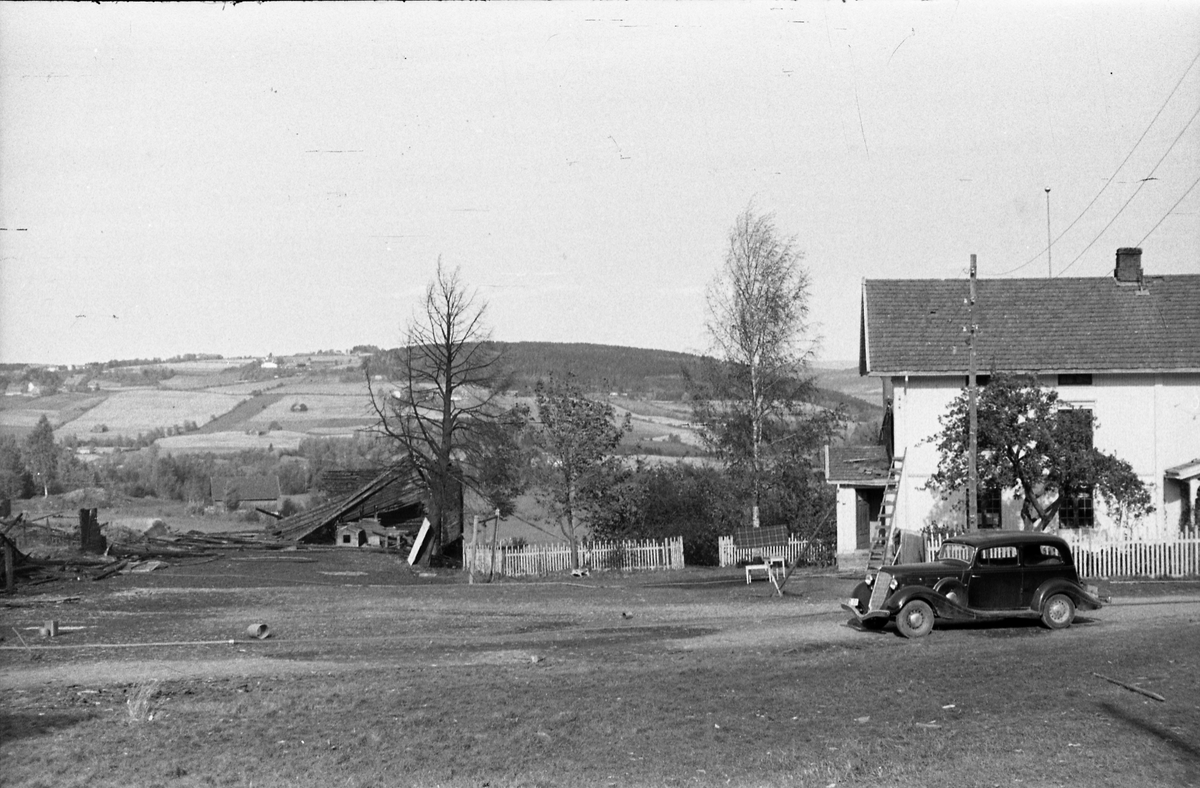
{"x":378,"y":676}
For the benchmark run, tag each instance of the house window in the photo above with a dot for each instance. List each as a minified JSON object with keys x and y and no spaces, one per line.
{"x":1076,"y":510}
{"x":980,"y":380}
{"x":989,"y":507}
{"x":1075,"y":379}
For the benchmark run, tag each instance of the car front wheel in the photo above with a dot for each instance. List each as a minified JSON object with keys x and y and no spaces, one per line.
{"x":915,"y":619}
{"x":1058,"y":611}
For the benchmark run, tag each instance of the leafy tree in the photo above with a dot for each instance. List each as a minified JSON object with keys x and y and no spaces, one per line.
{"x":1029,"y":440}
{"x":502,"y":459}
{"x":676,"y":499}
{"x":445,"y":410}
{"x":41,"y":454}
{"x":232,"y":499}
{"x":749,"y":395}
{"x":15,"y":480}
{"x":577,"y":437}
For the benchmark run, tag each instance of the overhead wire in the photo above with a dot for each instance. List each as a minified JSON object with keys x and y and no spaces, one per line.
{"x":1140,"y":186}
{"x":1103,"y":188}
{"x":1169,"y":212}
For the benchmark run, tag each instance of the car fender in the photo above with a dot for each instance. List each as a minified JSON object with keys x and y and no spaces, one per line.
{"x":942,"y":607}
{"x":1079,"y":595}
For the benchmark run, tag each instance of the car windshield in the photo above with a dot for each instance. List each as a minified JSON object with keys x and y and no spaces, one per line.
{"x":957,"y":553}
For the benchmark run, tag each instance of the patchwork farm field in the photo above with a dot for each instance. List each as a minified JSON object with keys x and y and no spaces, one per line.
{"x":230,"y":442}
{"x":140,"y":410}
{"x":297,"y":407}
{"x":19,"y":415}
{"x":320,"y":410}
{"x":375,"y":675}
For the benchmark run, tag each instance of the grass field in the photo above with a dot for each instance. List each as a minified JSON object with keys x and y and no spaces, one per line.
{"x":19,"y":415}
{"x":141,"y":410}
{"x":378,"y":676}
{"x":321,"y":409}
{"x":230,"y":442}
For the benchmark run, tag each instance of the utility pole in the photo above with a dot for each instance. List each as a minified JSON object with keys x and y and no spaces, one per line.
{"x":1049,"y":264}
{"x":973,"y":429}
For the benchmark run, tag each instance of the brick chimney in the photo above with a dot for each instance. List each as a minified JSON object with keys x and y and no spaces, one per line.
{"x":1129,"y":265}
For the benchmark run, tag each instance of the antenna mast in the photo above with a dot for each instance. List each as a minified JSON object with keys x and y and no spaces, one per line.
{"x":1049,"y":264}
{"x":973,"y":429}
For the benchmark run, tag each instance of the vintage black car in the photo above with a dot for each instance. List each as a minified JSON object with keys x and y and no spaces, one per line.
{"x":977,"y":576}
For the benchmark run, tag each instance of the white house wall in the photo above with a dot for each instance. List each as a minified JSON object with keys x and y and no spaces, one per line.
{"x":1152,"y":421}
{"x":847,"y":523}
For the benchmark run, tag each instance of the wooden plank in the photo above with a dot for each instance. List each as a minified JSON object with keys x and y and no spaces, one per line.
{"x":419,"y":542}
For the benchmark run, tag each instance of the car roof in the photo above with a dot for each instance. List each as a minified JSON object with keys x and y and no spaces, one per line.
{"x":993,"y":538}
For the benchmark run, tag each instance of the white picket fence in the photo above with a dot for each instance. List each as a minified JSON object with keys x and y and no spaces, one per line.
{"x":1121,"y":556}
{"x":807,"y":552}
{"x":543,"y":559}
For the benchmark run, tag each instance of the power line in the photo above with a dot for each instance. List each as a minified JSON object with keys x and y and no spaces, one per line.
{"x":1141,"y":184}
{"x":1111,"y":177}
{"x":1169,"y":212}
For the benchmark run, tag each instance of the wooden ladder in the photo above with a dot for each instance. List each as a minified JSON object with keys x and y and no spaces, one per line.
{"x":884,"y":552}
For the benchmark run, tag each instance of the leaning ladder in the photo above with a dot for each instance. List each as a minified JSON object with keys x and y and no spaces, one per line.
{"x":885,"y":551}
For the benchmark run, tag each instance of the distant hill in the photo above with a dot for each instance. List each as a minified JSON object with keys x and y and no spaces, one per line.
{"x":659,"y":374}
{"x":655,"y":374}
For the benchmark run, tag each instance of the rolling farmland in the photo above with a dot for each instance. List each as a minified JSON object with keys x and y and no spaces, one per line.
{"x":129,"y":412}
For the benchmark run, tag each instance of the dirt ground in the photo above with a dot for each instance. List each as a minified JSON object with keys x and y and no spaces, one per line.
{"x":337,"y":610}
{"x":756,"y":658}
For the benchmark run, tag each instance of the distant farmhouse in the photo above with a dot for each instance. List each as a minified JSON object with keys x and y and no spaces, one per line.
{"x":1125,"y":347}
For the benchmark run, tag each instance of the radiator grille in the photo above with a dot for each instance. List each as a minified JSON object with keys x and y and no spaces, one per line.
{"x":880,"y":591}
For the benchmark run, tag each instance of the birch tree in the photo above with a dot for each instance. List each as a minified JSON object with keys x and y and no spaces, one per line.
{"x":758,"y":324}
{"x":41,"y":454}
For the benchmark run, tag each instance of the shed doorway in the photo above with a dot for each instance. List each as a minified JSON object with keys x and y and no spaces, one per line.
{"x":868,"y":503}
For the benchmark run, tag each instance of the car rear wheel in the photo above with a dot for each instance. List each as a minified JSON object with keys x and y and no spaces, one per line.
{"x":915,"y":619}
{"x":1058,"y":611}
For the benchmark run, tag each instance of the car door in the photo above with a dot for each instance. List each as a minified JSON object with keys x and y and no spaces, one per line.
{"x":1039,"y":563}
{"x":994,"y":582}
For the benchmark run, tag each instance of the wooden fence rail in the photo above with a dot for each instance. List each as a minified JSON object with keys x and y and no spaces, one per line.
{"x":808,"y":552}
{"x":1117,"y":556}
{"x":543,"y":559}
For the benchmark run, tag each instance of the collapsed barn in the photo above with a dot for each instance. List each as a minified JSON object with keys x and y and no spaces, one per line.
{"x":385,"y":511}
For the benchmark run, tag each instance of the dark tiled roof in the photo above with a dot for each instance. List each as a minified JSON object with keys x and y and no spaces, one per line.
{"x":863,"y":465}
{"x":915,"y":326}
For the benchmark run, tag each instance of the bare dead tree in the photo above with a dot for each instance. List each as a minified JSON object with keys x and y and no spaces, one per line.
{"x":442,"y":409}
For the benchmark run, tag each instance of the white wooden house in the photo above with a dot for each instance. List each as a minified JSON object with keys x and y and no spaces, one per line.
{"x":1125,"y":347}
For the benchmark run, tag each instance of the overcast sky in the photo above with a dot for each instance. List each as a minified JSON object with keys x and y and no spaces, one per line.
{"x":282,"y":178}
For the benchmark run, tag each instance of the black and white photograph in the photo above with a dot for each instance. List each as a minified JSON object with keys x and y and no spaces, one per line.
{"x":533,"y":394}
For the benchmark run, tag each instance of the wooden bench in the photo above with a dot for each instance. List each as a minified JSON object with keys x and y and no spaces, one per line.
{"x":768,"y":567}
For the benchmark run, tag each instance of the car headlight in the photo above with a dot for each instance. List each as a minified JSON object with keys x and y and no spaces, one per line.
{"x":869,"y":579}
{"x":894,"y":584}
